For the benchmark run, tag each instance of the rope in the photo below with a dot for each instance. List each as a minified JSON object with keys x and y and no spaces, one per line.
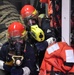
{"x":8,"y":14}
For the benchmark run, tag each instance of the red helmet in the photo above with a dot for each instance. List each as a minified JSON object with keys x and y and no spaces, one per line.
{"x":16,"y":29}
{"x":28,"y":10}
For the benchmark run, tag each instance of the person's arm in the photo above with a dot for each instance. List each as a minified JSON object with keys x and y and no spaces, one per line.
{"x":30,"y":59}
{"x":20,"y":71}
{"x":3,"y":64}
{"x":41,"y":46}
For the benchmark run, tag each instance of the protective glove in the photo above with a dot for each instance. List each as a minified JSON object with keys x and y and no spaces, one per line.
{"x":41,"y":45}
{"x":26,"y":71}
{"x":4,"y":66}
{"x":51,"y":40}
{"x":20,"y":71}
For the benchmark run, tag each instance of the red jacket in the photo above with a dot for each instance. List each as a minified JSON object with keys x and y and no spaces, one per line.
{"x":55,"y":56}
{"x":53,"y":22}
{"x":50,"y":11}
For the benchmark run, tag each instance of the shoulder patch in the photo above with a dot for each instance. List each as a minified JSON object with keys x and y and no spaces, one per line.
{"x":53,"y":48}
{"x":69,"y":56}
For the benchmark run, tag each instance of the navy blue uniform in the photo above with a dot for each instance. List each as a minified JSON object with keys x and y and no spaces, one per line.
{"x":29,"y":57}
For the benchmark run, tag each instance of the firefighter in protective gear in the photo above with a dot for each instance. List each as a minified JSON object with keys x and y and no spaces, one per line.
{"x":30,"y":14}
{"x":58,"y":60}
{"x":35,"y":33}
{"x":34,"y":19}
{"x":17,"y":56}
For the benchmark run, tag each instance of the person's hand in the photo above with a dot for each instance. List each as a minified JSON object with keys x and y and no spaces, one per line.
{"x":51,"y":40}
{"x":26,"y":71}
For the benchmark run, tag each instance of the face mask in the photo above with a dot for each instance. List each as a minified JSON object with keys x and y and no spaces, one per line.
{"x":30,"y":21}
{"x":17,"y":54}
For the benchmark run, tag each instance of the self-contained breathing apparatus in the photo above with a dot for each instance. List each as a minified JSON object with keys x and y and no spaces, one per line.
{"x":35,"y":33}
{"x":16,"y":49}
{"x":34,"y":30}
{"x":16,"y":38}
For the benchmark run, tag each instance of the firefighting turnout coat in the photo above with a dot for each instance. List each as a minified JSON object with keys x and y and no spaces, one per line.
{"x":59,"y":57}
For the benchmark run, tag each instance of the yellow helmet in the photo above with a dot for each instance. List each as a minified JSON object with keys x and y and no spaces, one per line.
{"x":37,"y":33}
